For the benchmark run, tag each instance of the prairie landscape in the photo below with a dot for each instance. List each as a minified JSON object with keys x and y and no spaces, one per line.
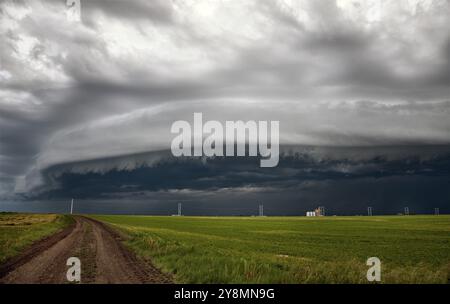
{"x":183,"y":249}
{"x":18,"y":231}
{"x":412,"y":249}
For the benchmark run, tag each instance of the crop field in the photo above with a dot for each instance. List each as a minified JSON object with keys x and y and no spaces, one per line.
{"x":17,"y":231}
{"x":412,"y":249}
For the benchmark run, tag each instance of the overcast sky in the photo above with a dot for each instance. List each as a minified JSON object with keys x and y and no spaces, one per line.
{"x":335,"y":73}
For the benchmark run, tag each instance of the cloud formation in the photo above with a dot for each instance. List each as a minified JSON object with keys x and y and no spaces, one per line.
{"x":333,"y":72}
{"x":345,"y":180}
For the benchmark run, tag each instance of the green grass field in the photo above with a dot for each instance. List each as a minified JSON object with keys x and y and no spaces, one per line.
{"x":17,"y":231}
{"x":412,"y":249}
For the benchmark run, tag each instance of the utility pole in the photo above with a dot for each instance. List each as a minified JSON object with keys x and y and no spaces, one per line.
{"x":71,"y":207}
{"x":436,"y":211}
{"x":406,"y":211}
{"x":369,"y":211}
{"x":179,"y":209}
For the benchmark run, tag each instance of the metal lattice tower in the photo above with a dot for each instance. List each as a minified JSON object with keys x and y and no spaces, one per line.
{"x":406,"y":211}
{"x":369,"y":211}
{"x":322,"y":210}
{"x":261,"y":210}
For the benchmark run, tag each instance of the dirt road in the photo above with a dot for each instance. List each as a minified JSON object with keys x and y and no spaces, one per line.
{"x":103,"y":258}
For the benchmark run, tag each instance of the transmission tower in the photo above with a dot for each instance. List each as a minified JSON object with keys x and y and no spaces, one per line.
{"x":369,"y":211}
{"x":322,"y":210}
{"x":261,"y":210}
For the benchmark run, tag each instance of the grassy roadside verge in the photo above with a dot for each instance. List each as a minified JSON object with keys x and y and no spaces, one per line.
{"x":18,"y":230}
{"x":413,"y":249}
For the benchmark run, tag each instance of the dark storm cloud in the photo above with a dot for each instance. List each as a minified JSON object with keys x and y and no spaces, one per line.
{"x":346,"y":180}
{"x":161,"y":171}
{"x":332,"y":72}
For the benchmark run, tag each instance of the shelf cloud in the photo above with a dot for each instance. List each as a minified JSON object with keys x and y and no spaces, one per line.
{"x":334,"y":73}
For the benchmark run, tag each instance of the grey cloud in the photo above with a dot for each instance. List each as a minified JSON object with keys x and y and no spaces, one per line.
{"x":310,"y":64}
{"x":160,"y":11}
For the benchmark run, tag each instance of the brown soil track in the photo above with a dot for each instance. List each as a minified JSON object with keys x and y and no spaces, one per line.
{"x":104,"y":259}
